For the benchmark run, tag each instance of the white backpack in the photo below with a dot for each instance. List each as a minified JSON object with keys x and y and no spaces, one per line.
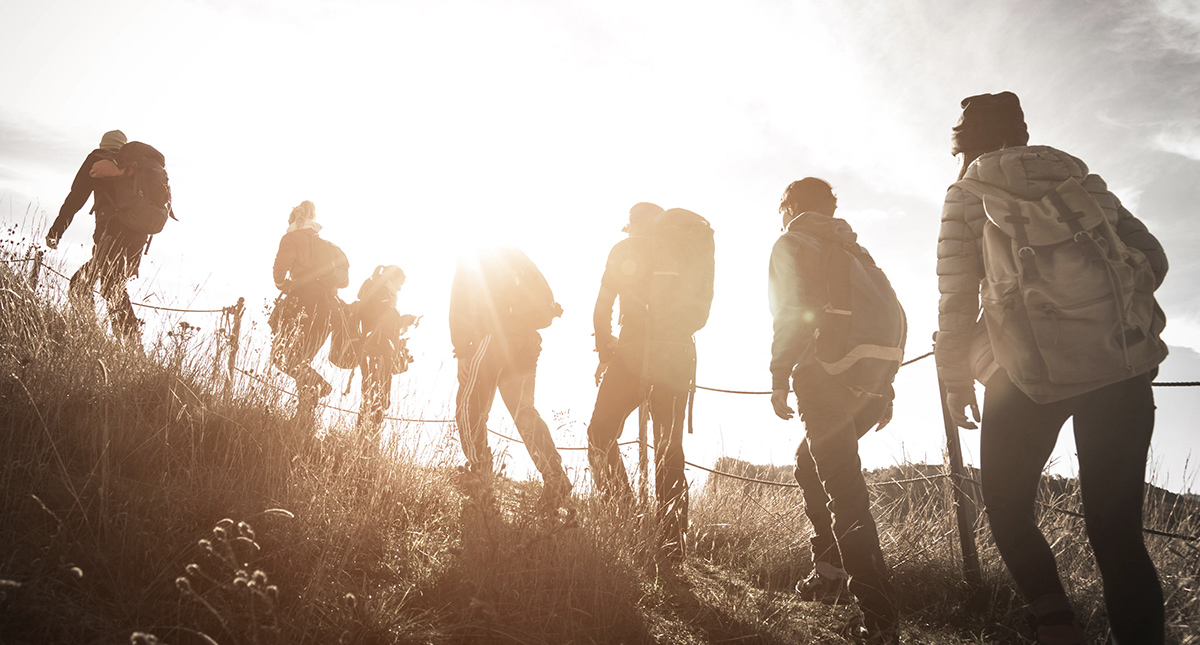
{"x":1069,"y":307}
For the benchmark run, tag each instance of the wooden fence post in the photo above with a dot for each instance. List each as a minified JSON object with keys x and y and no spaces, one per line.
{"x":964,"y":513}
{"x":234,"y":335}
{"x":36,"y":271}
{"x":643,"y":453}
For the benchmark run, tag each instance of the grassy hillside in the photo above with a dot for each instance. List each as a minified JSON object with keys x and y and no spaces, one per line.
{"x":141,"y":500}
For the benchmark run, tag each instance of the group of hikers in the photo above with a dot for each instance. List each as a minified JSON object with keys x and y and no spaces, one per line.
{"x":1047,"y":299}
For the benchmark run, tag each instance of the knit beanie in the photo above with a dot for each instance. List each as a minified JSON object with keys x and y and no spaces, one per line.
{"x":641,"y":216}
{"x":113,"y":140}
{"x":989,"y":122}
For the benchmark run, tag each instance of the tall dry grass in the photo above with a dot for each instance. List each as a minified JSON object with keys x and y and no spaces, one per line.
{"x":142,"y":499}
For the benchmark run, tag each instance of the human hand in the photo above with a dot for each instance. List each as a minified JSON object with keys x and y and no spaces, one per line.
{"x":600,"y":370}
{"x":52,"y":241}
{"x":779,"y":400}
{"x":886,"y":418}
{"x":957,"y":402}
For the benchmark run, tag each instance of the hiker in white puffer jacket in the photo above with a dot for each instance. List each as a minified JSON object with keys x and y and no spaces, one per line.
{"x":1029,"y":399}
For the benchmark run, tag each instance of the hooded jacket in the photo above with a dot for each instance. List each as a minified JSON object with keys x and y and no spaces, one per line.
{"x":1028,"y":172}
{"x":83,"y":187}
{"x":795,"y":291}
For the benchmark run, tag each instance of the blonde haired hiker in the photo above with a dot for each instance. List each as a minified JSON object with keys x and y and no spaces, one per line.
{"x":308,"y":272}
{"x":384,"y":352}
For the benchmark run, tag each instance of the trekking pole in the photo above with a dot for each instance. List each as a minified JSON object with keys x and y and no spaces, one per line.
{"x":962,"y":513}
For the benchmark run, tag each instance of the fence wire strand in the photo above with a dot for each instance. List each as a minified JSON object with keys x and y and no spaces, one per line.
{"x":893,"y":482}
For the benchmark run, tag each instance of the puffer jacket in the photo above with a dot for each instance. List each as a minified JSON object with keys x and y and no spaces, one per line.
{"x":1028,"y":172}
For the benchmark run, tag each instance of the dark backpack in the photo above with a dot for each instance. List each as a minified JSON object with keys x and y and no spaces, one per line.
{"x":346,"y":339}
{"x":330,"y":267}
{"x":681,"y":286}
{"x":862,"y":329}
{"x":520,"y":293}
{"x":141,"y":198}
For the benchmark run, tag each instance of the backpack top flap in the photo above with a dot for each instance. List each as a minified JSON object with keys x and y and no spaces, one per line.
{"x":1055,"y":218}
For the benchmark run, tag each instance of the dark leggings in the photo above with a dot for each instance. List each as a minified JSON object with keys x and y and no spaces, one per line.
{"x":1112,"y":436}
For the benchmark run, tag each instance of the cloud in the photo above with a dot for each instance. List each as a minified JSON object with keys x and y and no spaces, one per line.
{"x":1181,"y":139}
{"x":28,"y":143}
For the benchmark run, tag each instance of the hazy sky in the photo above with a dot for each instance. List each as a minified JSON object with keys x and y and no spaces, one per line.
{"x":419,"y":128}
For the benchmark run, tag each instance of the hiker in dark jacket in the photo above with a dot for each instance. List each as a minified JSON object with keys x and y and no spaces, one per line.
{"x":626,"y":377}
{"x":1113,"y":417}
{"x":116,"y":250}
{"x":498,"y":302}
{"x":300,"y":321}
{"x":845,"y":544}
{"x":384,"y":351}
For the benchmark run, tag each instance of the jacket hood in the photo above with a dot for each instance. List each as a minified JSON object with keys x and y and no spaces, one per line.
{"x":1027,"y":171}
{"x":824,"y":227}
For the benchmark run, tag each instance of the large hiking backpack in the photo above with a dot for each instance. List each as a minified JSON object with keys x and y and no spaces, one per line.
{"x":862,"y":328}
{"x":681,"y":287}
{"x":1067,"y":303}
{"x":141,"y":197}
{"x":330,"y":267}
{"x":520,"y":293}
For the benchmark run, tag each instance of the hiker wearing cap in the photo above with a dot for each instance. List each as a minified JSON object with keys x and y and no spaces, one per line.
{"x":117,"y":248}
{"x":655,"y":356}
{"x":839,"y":335}
{"x":1066,"y":276}
{"x":308,"y":272}
{"x":498,"y":302}
{"x":384,"y":352}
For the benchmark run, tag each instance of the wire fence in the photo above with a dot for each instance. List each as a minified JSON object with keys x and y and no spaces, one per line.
{"x":719,"y":473}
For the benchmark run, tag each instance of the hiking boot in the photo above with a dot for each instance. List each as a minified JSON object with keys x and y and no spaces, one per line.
{"x":554,"y":494}
{"x":1069,"y":634}
{"x":824,"y":589}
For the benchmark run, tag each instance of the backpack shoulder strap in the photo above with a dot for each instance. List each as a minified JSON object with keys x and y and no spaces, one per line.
{"x":1014,"y":218}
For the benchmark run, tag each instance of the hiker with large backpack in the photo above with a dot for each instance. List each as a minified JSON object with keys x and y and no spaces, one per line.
{"x":132,"y":203}
{"x":839,"y":341}
{"x":308,"y":272}
{"x":498,"y":302}
{"x":662,"y":275}
{"x":367,"y":334}
{"x":1066,"y":276}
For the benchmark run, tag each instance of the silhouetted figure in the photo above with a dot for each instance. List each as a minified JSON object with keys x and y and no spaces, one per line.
{"x":839,"y":339}
{"x":308,"y":271}
{"x":384,"y":352}
{"x":655,"y":356}
{"x":498,"y":302}
{"x":1068,"y":276}
{"x":132,"y":202}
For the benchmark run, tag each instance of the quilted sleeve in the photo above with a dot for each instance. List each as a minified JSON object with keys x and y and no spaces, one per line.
{"x":959,"y":269}
{"x":1134,"y":234}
